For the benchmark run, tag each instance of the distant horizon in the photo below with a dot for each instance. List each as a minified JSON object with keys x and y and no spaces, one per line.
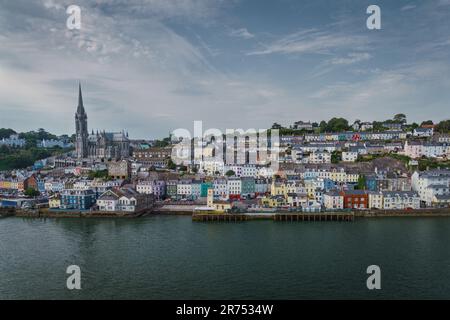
{"x":408,"y":123}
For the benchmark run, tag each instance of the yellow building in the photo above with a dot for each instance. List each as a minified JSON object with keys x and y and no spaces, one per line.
{"x":5,"y":184}
{"x":274,"y":201}
{"x":219,"y":206}
{"x":278,"y":189}
{"x":54,"y":202}
{"x":338,"y":175}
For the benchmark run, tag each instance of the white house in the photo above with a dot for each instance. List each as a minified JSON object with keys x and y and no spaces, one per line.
{"x":364,"y":126}
{"x":319,"y":157}
{"x":430,"y":183}
{"x":211,"y":167}
{"x":333,"y":200}
{"x":184,"y":188}
{"x":234,"y":186}
{"x":108,"y":201}
{"x":400,"y":200}
{"x":145,"y":187}
{"x":131,"y":201}
{"x":220,"y":188}
{"x":418,"y":149}
{"x":423,"y":132}
{"x":375,"y":200}
{"x":349,"y":156}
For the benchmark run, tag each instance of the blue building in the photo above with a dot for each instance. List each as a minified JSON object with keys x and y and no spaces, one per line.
{"x":371,"y":183}
{"x":328,"y":184}
{"x":40,"y":185}
{"x":78,"y":199}
{"x":204,"y":188}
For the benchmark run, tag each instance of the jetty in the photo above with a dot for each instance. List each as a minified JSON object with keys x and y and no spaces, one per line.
{"x":278,"y":217}
{"x":311,"y":217}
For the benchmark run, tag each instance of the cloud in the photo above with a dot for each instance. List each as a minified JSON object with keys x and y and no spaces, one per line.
{"x":408,"y":7}
{"x":311,"y":41}
{"x":351,"y":58}
{"x":192,"y":10}
{"x":151,"y":66}
{"x":404,"y":89}
{"x":137,"y":74}
{"x":242,"y":33}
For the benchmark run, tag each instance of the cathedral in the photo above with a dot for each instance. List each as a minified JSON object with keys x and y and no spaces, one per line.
{"x":100,"y":145}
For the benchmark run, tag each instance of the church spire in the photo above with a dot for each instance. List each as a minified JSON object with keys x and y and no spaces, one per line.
{"x":80,"y":108}
{"x":81,"y":128}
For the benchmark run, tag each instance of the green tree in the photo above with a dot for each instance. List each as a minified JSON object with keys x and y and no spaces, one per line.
{"x":361,"y":182}
{"x":230,"y":173}
{"x":31,"y":192}
{"x":162,"y":143}
{"x":276,"y":126}
{"x":378,"y":126}
{"x":99,"y":174}
{"x":171,"y":165}
{"x":5,"y":133}
{"x":427,"y":122}
{"x":323,"y":126}
{"x":336,"y":157}
{"x":443,"y":126}
{"x":337,"y":125}
{"x":400,"y":118}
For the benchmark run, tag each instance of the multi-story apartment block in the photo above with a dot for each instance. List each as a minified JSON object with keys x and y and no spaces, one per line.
{"x":319,"y":157}
{"x":171,"y":189}
{"x":145,"y":187}
{"x":400,"y":200}
{"x":184,"y":189}
{"x":375,"y":200}
{"x":262,"y":186}
{"x":430,"y":183}
{"x":333,"y":200}
{"x":234,"y":188}
{"x":220,"y":188}
{"x":419,"y":149}
{"x":355,"y":199}
{"x":196,"y":189}
{"x":248,"y":187}
{"x":348,"y":156}
{"x":78,"y":199}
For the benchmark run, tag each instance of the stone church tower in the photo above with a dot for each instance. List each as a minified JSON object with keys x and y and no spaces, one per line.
{"x":81,"y":129}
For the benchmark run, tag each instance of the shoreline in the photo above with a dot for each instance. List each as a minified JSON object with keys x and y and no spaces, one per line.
{"x":45,"y":213}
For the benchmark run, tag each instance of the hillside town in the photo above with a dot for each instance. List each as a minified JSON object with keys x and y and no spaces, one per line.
{"x":331,"y":166}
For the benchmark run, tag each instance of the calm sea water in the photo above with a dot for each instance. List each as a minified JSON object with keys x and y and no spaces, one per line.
{"x":170,"y":257}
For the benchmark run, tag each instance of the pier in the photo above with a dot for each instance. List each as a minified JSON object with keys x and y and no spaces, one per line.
{"x":286,"y":217}
{"x":311,"y":217}
{"x":219,"y":217}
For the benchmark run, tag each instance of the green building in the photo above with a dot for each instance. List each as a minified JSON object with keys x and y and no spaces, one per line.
{"x":248,"y":187}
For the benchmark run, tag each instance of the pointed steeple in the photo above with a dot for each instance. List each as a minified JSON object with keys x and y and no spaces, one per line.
{"x":81,"y":128}
{"x":80,"y":108}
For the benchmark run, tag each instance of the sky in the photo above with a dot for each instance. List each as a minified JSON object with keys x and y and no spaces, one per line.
{"x":153,"y":66}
